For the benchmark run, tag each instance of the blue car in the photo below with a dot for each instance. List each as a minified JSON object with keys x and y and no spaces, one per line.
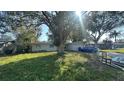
{"x":88,"y":49}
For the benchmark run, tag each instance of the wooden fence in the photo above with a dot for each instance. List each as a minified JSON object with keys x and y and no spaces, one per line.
{"x":106,"y":59}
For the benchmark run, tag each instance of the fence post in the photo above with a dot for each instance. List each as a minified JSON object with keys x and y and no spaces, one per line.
{"x":102,"y":56}
{"x":110,"y":61}
{"x":106,"y":57}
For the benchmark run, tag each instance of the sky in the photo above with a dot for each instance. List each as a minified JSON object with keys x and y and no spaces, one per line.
{"x":44,"y":36}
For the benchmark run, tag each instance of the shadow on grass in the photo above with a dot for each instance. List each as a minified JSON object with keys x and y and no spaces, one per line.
{"x":40,"y":68}
{"x":48,"y":68}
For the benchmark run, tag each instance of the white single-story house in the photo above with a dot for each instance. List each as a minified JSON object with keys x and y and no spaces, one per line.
{"x":74,"y":46}
{"x":118,"y":44}
{"x":43,"y":46}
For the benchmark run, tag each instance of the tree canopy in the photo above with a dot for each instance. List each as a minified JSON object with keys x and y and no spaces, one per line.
{"x":62,"y":24}
{"x":98,"y":23}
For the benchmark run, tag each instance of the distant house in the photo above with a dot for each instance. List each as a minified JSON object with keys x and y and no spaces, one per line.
{"x":43,"y":46}
{"x":75,"y":45}
{"x":119,"y":43}
{"x":106,"y":44}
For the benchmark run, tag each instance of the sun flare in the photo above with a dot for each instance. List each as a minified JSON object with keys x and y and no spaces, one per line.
{"x":78,"y":13}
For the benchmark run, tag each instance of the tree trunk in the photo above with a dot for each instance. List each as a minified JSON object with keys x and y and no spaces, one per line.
{"x":61,"y":49}
{"x":96,"y":43}
{"x":115,"y":38}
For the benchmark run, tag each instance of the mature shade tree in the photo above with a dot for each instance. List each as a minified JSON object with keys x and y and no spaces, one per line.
{"x":60,"y":24}
{"x":98,"y":23}
{"x":25,"y":37}
{"x":25,"y":25}
{"x":11,"y":20}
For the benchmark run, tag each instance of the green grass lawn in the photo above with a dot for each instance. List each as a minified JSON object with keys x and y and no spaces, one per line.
{"x":121,"y":50}
{"x":50,"y":66}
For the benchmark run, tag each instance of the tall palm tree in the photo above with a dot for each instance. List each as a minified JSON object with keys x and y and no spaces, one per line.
{"x":114,"y":34}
